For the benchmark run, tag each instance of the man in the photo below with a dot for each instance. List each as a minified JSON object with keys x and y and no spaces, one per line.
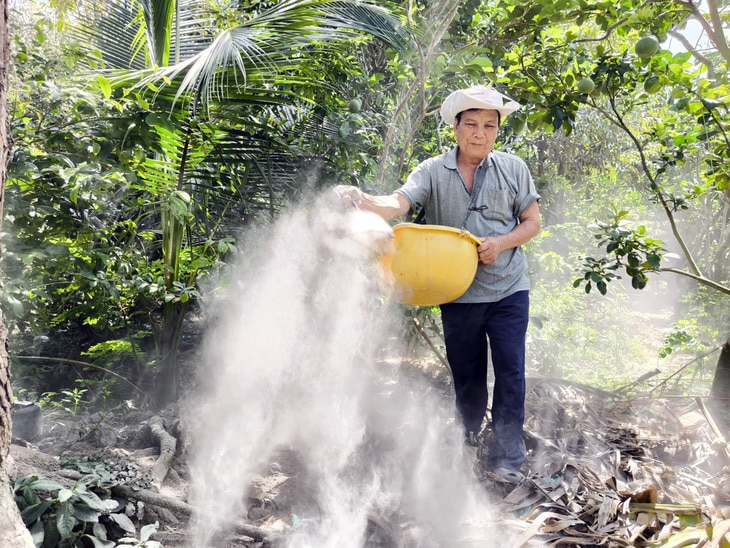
{"x":491,"y":194}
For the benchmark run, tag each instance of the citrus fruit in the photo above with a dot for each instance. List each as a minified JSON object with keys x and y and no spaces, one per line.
{"x":652,"y":84}
{"x":646,"y":47}
{"x":586,"y":86}
{"x":355,"y":105}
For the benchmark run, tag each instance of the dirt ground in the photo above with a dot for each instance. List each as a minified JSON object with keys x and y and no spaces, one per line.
{"x":602,"y":470}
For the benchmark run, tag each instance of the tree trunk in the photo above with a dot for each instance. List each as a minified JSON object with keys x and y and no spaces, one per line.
{"x":167,"y":336}
{"x":12,"y":531}
{"x":721,"y":382}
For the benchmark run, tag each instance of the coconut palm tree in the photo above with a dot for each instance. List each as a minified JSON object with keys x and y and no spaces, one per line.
{"x":224,"y":88}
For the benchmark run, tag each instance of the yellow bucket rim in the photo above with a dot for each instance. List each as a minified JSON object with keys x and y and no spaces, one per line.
{"x":441,"y":228}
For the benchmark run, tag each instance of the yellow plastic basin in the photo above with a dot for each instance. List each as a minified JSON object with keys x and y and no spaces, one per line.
{"x":431,"y":264}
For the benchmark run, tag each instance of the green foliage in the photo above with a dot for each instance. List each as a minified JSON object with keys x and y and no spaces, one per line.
{"x":59,"y":517}
{"x":109,"y":352}
{"x":683,"y":338}
{"x":72,"y":238}
{"x":590,"y":339}
{"x":671,"y":106}
{"x":125,"y":189}
{"x":70,"y":400}
{"x":82,"y":253}
{"x":628,"y":248}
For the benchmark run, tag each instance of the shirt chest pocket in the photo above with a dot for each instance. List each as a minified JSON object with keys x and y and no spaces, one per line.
{"x":495,"y":205}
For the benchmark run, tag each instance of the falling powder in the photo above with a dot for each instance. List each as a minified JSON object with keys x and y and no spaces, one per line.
{"x":295,"y":361}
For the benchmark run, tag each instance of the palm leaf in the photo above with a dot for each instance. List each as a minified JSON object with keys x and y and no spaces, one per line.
{"x":263,"y":51}
{"x":110,"y":27}
{"x":158,"y":17}
{"x":136,"y":35}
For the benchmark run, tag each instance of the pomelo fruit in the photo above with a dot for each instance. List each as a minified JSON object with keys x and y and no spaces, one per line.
{"x":652,"y":84}
{"x":646,"y":47}
{"x":355,"y":105}
{"x":586,"y":86}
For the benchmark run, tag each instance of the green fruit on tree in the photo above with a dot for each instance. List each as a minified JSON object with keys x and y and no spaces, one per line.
{"x":355,"y":105}
{"x":646,"y":47}
{"x":652,"y":84}
{"x":586,"y":86}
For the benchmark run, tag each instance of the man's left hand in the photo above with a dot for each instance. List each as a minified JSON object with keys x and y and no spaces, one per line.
{"x":489,"y":250}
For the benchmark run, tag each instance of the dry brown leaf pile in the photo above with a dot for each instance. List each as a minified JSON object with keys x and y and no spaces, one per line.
{"x":616,"y":472}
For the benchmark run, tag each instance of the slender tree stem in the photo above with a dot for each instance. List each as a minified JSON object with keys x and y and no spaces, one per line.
{"x":657,"y":191}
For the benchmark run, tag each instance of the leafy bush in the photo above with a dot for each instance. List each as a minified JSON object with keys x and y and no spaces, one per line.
{"x":85,"y":515}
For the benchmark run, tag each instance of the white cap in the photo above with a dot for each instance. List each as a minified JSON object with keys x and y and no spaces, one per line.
{"x":485,"y":97}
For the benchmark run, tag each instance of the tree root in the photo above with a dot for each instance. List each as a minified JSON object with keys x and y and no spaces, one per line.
{"x":168,"y":445}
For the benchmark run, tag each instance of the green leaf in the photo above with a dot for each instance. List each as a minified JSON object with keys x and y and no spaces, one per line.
{"x":92,"y":500}
{"x":64,"y":494}
{"x":654,"y":260}
{"x":25,"y":481}
{"x":344,"y":129}
{"x":124,"y":522}
{"x":43,"y":484}
{"x":30,"y":497}
{"x":37,"y":533}
{"x":100,"y":531}
{"x":148,"y":530}
{"x":51,"y":536}
{"x":638,"y":282}
{"x":83,"y":513}
{"x":32,"y":513}
{"x":104,"y":86}
{"x":65,"y":520}
{"x":685,"y":537}
{"x":179,"y":204}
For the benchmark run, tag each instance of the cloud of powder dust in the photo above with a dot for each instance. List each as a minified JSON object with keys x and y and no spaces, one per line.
{"x":292,"y":362}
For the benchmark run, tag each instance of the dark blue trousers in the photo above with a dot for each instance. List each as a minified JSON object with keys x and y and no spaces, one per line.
{"x":470,"y":331}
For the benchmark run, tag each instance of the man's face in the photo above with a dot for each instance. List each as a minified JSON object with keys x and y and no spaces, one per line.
{"x":476,"y":132}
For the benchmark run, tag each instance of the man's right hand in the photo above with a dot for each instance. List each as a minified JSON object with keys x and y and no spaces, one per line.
{"x":350,"y":197}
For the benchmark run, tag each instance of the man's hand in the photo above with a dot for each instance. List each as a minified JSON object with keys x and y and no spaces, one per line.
{"x":528,"y":228}
{"x":489,"y":250}
{"x":388,"y":206}
{"x":350,"y":197}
